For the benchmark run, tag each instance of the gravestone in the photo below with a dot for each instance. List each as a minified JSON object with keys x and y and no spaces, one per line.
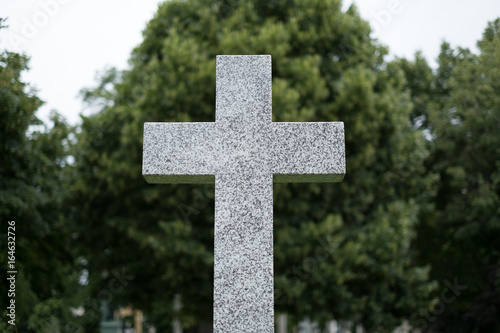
{"x":243,"y":152}
{"x":308,"y":326}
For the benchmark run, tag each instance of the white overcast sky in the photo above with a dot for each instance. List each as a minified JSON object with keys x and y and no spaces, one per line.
{"x":70,"y":40}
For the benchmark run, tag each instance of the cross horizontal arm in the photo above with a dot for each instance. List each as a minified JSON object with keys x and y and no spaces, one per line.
{"x":179,"y":153}
{"x":308,"y":152}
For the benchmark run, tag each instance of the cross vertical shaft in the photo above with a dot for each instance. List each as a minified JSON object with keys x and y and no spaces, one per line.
{"x":243,"y":246}
{"x":243,"y":254}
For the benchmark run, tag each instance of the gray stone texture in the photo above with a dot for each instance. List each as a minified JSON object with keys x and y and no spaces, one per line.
{"x":244,"y":152}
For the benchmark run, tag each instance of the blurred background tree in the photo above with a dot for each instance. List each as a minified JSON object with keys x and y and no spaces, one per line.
{"x":325,"y":68}
{"x":33,"y":184}
{"x":459,"y":107}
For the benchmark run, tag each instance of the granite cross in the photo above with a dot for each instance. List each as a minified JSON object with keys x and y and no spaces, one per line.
{"x":243,"y":152}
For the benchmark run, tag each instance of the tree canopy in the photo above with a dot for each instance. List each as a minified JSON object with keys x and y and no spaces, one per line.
{"x":32,"y":191}
{"x":460,"y":108}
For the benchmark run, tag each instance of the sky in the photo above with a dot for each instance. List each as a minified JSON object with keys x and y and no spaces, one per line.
{"x":69,"y":41}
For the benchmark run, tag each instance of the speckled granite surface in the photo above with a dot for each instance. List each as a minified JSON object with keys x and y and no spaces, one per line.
{"x":243,"y":151}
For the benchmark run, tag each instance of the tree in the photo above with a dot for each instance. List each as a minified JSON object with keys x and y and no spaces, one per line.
{"x":341,"y":251}
{"x":32,"y":194}
{"x":461,"y":236}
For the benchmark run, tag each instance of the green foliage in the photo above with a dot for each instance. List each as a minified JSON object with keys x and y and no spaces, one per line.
{"x":43,"y":318}
{"x":32,"y":192}
{"x":5,"y":326}
{"x":460,"y":237}
{"x":325,"y":67}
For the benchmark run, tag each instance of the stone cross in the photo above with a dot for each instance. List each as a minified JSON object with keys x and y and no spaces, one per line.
{"x":243,"y":152}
